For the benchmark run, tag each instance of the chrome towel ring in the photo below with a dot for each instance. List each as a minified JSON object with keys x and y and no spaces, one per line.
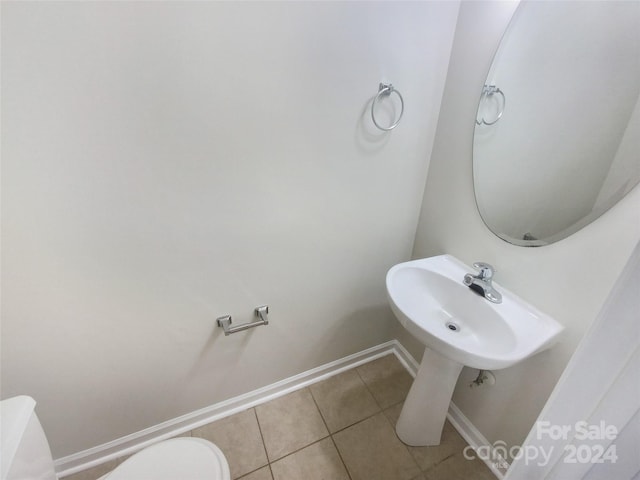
{"x":385,"y":90}
{"x":488,"y":91}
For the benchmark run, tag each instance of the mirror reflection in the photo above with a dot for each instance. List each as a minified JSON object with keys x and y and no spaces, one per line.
{"x":557,"y":137}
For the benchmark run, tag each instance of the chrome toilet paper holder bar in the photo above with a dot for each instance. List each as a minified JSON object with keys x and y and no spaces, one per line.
{"x":260,"y":312}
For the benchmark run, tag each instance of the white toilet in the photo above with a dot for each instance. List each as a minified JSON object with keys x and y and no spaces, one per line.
{"x":25,"y":453}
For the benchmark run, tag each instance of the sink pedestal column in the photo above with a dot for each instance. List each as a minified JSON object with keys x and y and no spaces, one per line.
{"x":425,"y":408}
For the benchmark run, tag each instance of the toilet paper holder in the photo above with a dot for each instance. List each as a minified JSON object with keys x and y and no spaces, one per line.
{"x":260,"y":312}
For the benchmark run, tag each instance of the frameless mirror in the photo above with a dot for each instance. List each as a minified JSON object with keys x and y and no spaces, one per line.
{"x":557,"y":137}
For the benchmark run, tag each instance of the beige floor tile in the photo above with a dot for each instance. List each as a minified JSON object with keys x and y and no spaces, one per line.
{"x":95,"y":472}
{"x":238,"y":436}
{"x":263,"y":474}
{"x":457,"y":467}
{"x":393,"y":413}
{"x":344,"y":400}
{"x":319,"y":461}
{"x":290,"y":423}
{"x":387,"y":379}
{"x":371,"y":451}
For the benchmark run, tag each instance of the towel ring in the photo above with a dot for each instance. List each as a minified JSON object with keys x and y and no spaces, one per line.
{"x":487,"y":91}
{"x":386,"y":89}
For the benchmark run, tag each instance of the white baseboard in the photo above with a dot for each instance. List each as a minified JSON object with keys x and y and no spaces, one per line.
{"x":475,"y":439}
{"x":137,"y":441}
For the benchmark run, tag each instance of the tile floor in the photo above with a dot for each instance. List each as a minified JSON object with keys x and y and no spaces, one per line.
{"x":339,"y":429}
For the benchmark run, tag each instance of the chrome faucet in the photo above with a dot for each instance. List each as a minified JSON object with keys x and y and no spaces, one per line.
{"x":481,"y":283}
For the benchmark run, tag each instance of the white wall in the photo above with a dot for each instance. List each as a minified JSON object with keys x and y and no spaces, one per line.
{"x":569,"y":279}
{"x":168,"y":163}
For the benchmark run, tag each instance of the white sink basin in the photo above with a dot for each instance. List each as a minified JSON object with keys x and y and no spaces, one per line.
{"x":458,"y":327}
{"x":430,"y":300}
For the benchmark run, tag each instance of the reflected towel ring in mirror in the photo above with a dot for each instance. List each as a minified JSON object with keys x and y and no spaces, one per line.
{"x":488,"y":91}
{"x":386,"y":90}
{"x":566,"y":153}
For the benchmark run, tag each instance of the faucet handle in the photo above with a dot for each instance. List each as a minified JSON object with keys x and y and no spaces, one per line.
{"x":486,"y":271}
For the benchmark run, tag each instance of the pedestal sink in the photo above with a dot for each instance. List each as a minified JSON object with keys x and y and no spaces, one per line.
{"x":458,"y":328}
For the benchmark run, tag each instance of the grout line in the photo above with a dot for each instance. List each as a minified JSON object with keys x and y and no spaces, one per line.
{"x":315,"y":402}
{"x":264,"y":445}
{"x":406,"y":447}
{"x":368,"y":389}
{"x":301,"y":448}
{"x":335,"y":445}
{"x":358,"y":422}
{"x":248,"y":473}
{"x":331,"y":434}
{"x":433,"y":466}
{"x":380,"y":410}
{"x":444,"y":459}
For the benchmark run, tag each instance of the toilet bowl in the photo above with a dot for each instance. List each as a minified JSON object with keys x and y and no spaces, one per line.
{"x":25,"y":452}
{"x":181,"y":458}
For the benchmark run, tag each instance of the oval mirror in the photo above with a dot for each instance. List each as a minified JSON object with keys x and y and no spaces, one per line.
{"x":557,"y":136}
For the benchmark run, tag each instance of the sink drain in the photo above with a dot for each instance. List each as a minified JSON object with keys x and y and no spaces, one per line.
{"x":454,"y":327}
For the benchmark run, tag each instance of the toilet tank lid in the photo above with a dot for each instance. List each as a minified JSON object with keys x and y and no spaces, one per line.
{"x":14,"y":416}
